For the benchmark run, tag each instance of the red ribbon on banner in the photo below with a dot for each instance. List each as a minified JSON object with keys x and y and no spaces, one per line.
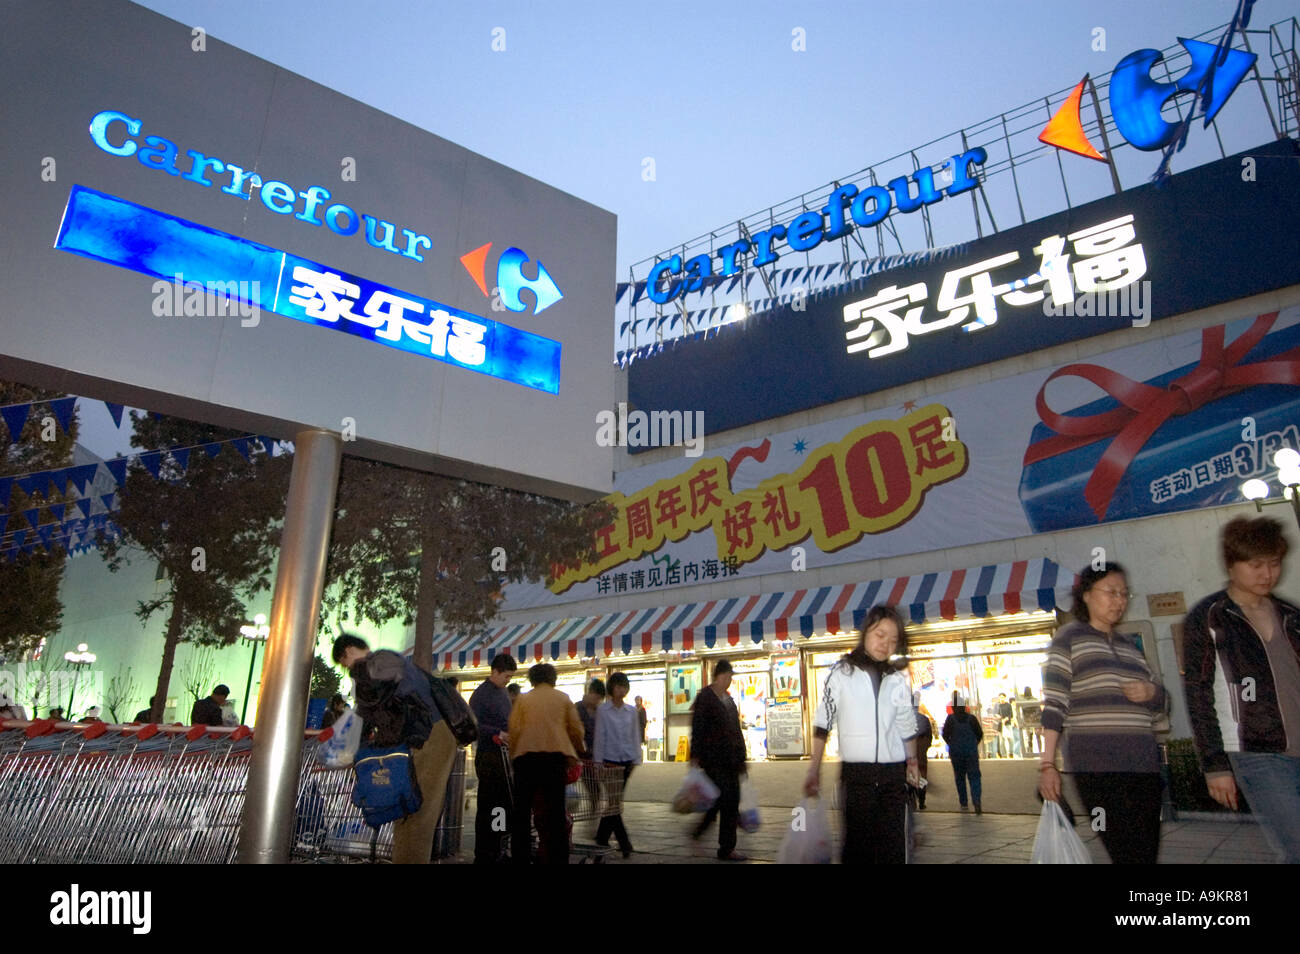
{"x":1145,"y":408}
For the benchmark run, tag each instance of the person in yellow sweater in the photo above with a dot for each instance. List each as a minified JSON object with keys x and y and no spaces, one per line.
{"x":546,"y":736}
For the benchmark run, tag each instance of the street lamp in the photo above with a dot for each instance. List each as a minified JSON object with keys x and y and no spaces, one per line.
{"x":79,"y":659}
{"x":1288,"y":475}
{"x":255,"y":634}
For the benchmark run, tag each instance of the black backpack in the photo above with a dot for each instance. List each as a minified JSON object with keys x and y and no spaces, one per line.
{"x":454,"y":709}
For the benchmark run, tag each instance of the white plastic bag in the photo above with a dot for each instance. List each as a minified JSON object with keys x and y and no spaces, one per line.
{"x":1056,"y":842}
{"x":697,"y":794}
{"x":808,"y":842}
{"x":340,"y":749}
{"x":749,"y":820}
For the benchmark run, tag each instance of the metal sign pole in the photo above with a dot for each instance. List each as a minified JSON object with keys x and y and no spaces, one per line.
{"x":266,"y":834}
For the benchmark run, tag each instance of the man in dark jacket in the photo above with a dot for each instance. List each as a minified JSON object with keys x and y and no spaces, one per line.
{"x":208,"y":711}
{"x":491,"y":706}
{"x":718,"y":747}
{"x":393,"y":697}
{"x":1242,"y":667}
{"x":963,"y":733}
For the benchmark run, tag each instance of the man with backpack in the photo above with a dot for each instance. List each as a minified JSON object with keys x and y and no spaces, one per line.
{"x":963,"y":733}
{"x":394,"y":700}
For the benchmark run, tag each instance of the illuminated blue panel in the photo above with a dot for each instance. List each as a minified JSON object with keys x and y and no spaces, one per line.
{"x":112,"y":230}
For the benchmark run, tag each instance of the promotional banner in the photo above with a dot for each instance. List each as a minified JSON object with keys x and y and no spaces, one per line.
{"x":1160,"y":427}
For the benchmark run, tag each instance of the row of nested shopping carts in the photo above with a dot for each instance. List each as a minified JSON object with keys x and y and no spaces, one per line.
{"x":94,"y":793}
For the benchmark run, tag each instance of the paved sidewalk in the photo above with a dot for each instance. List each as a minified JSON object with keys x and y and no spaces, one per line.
{"x":661,"y":837}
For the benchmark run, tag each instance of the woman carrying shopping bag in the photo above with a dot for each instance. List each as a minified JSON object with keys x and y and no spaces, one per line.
{"x":1098,"y":692}
{"x":870,"y":704}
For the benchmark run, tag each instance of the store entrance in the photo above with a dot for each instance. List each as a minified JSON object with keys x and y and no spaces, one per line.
{"x":1004,"y":690}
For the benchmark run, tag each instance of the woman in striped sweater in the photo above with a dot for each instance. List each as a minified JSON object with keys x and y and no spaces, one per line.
{"x":1098,"y":691}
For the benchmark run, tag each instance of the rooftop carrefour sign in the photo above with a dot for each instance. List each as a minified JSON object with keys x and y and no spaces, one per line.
{"x":864,"y":207}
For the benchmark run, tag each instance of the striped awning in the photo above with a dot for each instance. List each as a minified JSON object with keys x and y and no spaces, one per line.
{"x":745,"y":621}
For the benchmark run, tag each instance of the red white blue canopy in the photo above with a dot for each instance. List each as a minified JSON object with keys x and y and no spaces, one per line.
{"x":746,"y":621}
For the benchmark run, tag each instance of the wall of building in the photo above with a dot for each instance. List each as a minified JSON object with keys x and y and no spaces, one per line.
{"x":1172,"y":553}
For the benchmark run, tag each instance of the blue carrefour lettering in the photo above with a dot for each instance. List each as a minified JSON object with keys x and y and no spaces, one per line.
{"x":883,"y":204}
{"x":834,"y":208}
{"x":99,"y":132}
{"x":118,"y":134}
{"x":804,"y":232}
{"x":669,"y":266}
{"x":962,"y":180}
{"x":697,"y":269}
{"x":810,"y":228}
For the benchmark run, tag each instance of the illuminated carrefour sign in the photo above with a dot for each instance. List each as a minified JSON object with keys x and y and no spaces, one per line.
{"x":865,"y":208}
{"x":1103,"y":258}
{"x":1136,"y":100}
{"x":118,"y":134}
{"x":127,"y":235}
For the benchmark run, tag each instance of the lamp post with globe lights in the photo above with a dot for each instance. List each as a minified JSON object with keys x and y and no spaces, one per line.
{"x":1288,"y":475}
{"x":255,"y":634}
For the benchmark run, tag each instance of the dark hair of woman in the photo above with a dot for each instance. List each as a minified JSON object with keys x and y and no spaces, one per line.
{"x":1089,"y":577}
{"x":860,"y":658}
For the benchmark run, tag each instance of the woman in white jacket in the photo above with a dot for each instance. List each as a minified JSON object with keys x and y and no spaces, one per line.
{"x":870,"y":704}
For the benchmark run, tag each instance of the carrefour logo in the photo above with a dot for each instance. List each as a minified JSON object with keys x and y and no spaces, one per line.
{"x":1136,"y":99}
{"x":511,"y":280}
{"x":847,"y":208}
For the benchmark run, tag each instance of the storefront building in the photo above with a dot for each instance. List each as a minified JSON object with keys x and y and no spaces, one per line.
{"x":956,"y":433}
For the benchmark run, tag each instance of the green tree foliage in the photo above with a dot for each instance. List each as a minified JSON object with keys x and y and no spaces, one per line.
{"x":324,"y":679}
{"x":414,"y":546}
{"x":30,"y":609}
{"x":213,"y":528}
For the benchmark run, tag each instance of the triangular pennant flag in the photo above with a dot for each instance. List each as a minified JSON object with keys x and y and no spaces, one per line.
{"x":152,"y":462}
{"x":63,"y":409}
{"x":4,"y":522}
{"x":15,"y":418}
{"x":117,"y":469}
{"x":116,"y":411}
{"x":182,"y":457}
{"x":58,"y":510}
{"x":268,"y":442}
{"x":84,"y":506}
{"x":107,"y":501}
{"x":6,"y":485}
{"x":86,"y":477}
{"x":241,"y":444}
{"x":43,"y":533}
{"x":32,"y":516}
{"x":58,"y":480}
{"x":32,"y":483}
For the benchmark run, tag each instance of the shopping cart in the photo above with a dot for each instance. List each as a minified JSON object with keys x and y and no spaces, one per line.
{"x":330,"y":829}
{"x":94,"y":793}
{"x":596,"y":794}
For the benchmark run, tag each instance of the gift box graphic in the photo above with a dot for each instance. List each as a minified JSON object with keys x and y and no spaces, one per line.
{"x":1101,"y":460}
